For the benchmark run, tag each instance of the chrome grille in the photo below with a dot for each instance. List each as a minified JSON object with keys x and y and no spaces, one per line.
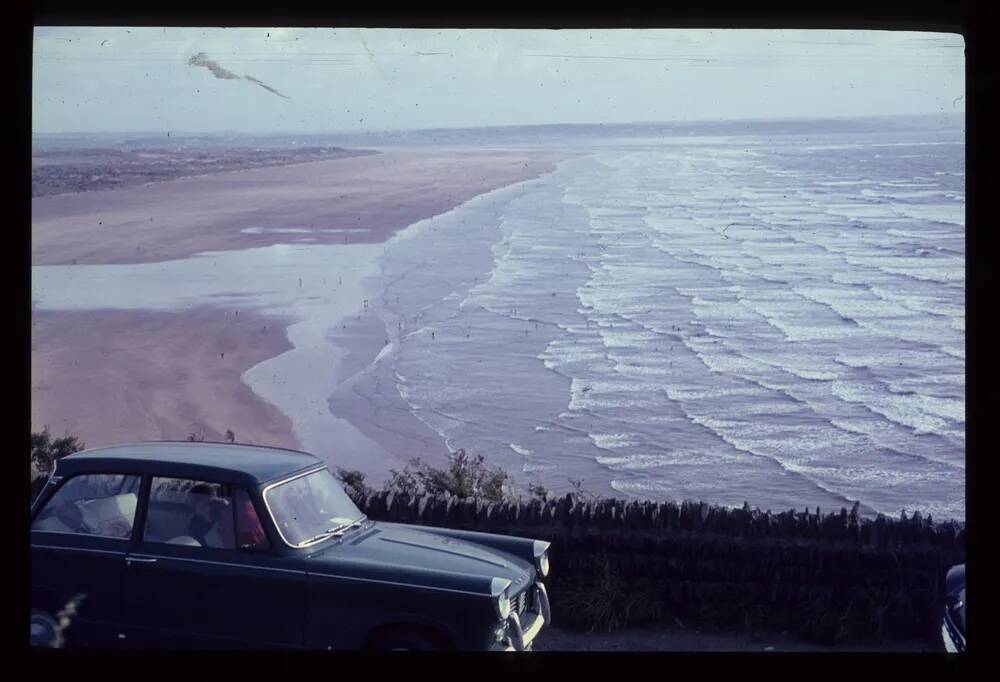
{"x":521,"y":602}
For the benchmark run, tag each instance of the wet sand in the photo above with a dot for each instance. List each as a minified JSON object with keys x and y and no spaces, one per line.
{"x":136,"y":373}
{"x":117,"y":376}
{"x":357,"y":199}
{"x":368,"y":399}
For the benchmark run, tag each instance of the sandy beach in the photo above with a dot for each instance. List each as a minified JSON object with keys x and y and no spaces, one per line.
{"x":353,"y":200}
{"x":113,"y":376}
{"x":237,"y":301}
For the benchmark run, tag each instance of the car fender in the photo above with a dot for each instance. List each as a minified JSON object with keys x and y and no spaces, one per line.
{"x":954,"y":579}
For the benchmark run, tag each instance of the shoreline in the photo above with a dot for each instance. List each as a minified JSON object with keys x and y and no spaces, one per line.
{"x":320,"y":356}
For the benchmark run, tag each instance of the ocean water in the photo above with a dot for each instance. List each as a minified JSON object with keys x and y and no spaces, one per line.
{"x":779,"y":320}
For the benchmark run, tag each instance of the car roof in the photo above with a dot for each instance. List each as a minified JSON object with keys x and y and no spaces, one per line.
{"x":249,"y":465}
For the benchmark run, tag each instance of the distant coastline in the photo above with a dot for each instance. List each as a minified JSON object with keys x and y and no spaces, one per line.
{"x":62,"y":171}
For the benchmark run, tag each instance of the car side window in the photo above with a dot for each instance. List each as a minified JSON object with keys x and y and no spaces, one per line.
{"x":187,"y":512}
{"x":92,"y":504}
{"x":249,"y":530}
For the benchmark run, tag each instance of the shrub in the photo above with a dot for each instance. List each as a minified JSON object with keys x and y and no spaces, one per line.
{"x":579,"y":494}
{"x":539,"y":492}
{"x":45,"y":451}
{"x":606,"y":602}
{"x":465,"y":476}
{"x":353,"y":479}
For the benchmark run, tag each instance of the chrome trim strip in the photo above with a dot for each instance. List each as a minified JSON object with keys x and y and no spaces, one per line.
{"x":390,"y":582}
{"x":142,"y":558}
{"x":139,"y":557}
{"x":267,"y":505}
{"x":79,"y":549}
{"x":82,"y":535}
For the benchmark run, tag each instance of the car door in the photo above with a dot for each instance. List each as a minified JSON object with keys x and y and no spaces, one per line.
{"x":80,"y":534}
{"x":186,"y":588}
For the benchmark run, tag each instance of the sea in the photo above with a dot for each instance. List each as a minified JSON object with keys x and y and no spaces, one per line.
{"x":771,"y":313}
{"x":767,"y":317}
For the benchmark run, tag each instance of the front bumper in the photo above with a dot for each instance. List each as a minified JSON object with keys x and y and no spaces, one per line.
{"x":954,"y":642}
{"x":520,"y":633}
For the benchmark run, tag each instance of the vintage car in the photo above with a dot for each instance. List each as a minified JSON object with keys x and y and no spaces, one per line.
{"x":953,"y":623}
{"x":210,"y":545}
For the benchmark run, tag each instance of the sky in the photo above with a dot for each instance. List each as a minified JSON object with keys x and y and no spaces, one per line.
{"x":292,"y":80}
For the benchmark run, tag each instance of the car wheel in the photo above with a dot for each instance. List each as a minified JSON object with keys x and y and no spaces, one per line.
{"x":44,"y":629}
{"x":406,"y":640}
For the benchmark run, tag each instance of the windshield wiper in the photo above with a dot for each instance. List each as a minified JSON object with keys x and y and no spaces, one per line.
{"x":340,"y":530}
{"x":336,"y":530}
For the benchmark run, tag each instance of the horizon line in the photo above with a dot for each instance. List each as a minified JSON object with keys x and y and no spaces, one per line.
{"x":778,"y":119}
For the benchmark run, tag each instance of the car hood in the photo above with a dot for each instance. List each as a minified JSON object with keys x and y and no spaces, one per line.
{"x":401,"y":547}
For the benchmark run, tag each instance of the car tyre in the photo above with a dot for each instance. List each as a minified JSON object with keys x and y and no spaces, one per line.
{"x":45,"y":630}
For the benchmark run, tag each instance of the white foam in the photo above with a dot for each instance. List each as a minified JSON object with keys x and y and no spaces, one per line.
{"x":912,"y":411}
{"x":610,"y":441}
{"x":685,"y":393}
{"x":812,"y":375}
{"x":276,"y":230}
{"x":529,"y":467}
{"x":940,"y":213}
{"x":386,"y":351}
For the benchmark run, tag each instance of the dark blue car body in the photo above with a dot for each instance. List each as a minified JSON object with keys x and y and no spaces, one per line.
{"x":381,"y":585}
{"x":953,"y":623}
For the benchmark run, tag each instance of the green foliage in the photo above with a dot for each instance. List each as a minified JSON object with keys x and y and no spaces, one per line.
{"x":354,"y":480}
{"x":539,"y":492}
{"x":607,"y":602}
{"x":45,"y":451}
{"x":579,"y":494}
{"x":465,"y":476}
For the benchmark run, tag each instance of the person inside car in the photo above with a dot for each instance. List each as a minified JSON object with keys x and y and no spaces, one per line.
{"x":251,"y":531}
{"x":212,"y":522}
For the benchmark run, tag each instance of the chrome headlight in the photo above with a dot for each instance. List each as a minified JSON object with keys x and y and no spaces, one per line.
{"x":500,"y":590}
{"x":503,"y":605}
{"x":542,"y":557}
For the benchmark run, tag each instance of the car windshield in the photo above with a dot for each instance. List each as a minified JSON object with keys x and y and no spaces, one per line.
{"x":310,"y":508}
